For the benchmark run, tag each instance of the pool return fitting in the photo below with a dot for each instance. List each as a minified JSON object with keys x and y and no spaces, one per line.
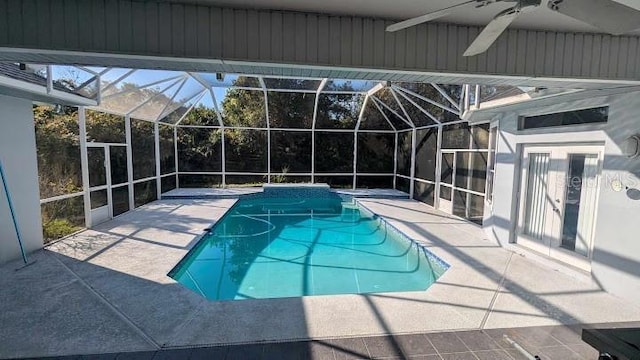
{"x":13,"y":217}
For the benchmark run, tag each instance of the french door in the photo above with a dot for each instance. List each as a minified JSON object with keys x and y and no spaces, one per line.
{"x":558,"y":200}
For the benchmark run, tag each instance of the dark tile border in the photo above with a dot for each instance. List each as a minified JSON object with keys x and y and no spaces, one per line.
{"x":548,"y":342}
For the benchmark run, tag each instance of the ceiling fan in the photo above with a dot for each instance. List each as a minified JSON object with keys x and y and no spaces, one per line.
{"x":607,"y":15}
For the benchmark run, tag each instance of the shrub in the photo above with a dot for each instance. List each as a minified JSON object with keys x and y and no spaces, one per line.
{"x":58,"y":228}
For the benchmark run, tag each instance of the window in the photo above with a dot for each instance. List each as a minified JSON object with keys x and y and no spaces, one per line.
{"x":574,"y":117}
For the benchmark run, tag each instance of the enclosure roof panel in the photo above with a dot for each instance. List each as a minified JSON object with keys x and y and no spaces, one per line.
{"x":258,"y":101}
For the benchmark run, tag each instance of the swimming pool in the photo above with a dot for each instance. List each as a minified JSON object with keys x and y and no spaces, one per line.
{"x":273,"y":247}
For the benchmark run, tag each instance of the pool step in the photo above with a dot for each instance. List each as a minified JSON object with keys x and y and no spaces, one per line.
{"x":350,"y":212}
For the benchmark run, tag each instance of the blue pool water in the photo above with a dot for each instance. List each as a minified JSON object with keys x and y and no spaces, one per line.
{"x":291,"y":247}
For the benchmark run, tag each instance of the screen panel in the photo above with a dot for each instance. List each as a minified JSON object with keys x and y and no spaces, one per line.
{"x":291,"y":109}
{"x":245,"y":150}
{"x":375,"y":152}
{"x":199,"y":149}
{"x":404,"y":153}
{"x":403,"y":184}
{"x":338,"y":182}
{"x":168,"y":183}
{"x":424,"y":192}
{"x":144,"y":192}
{"x":374,"y":182}
{"x":143,"y":149}
{"x":290,"y":152}
{"x":338,"y":111}
{"x":58,"y":150}
{"x":199,"y":181}
{"x":62,"y":217}
{"x":334,"y":152}
{"x":426,"y":153}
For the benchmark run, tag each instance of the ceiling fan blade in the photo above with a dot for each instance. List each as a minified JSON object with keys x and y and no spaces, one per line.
{"x":428,"y":17}
{"x":492,"y":31}
{"x":607,"y":15}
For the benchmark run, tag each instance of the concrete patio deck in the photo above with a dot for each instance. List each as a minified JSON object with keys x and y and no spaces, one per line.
{"x":105,"y":290}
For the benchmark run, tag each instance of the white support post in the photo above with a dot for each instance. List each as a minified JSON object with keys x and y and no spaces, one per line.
{"x":266,"y":110}
{"x":462,"y":95}
{"x":156,"y":139}
{"x":395,"y":161}
{"x":175,"y":152}
{"x":470,"y":167}
{"x":107,"y":160}
{"x":453,"y":179}
{"x":224,"y":158}
{"x":477,"y":97}
{"x":313,"y":130}
{"x":436,"y":193}
{"x":84,"y":165}
{"x":49,"y":79}
{"x":222,"y":138}
{"x":413,"y":161}
{"x":127,"y":131}
{"x":355,"y":137}
{"x":99,"y":90}
{"x":355,"y":157}
{"x":467,"y":98}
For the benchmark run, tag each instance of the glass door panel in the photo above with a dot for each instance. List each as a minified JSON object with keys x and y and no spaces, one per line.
{"x":536,"y":211}
{"x":536,"y":195}
{"x":578,"y":207}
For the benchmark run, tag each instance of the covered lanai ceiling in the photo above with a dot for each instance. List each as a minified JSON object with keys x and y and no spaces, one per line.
{"x":539,"y":19}
{"x":253,"y":37}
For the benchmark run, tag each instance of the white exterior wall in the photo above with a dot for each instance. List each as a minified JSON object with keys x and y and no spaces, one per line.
{"x":616,"y":249}
{"x":18,"y":156}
